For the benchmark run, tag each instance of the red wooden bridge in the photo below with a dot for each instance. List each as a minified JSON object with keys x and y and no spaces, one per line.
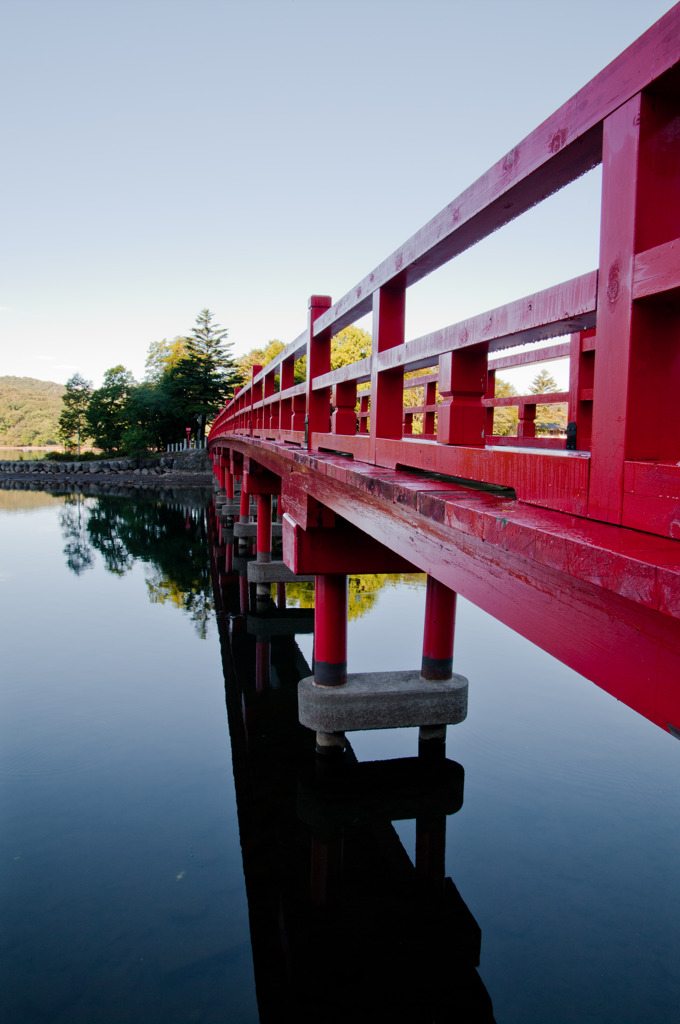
{"x":572,"y":541}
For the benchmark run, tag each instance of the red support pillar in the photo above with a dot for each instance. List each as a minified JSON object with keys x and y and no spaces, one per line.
{"x":264,"y":527}
{"x":437,"y":666}
{"x":330,"y":630}
{"x":244,"y":509}
{"x":229,"y":484}
{"x":440,"y":614}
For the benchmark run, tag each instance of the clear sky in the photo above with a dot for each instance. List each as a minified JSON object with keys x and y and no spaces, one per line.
{"x":161,"y":156}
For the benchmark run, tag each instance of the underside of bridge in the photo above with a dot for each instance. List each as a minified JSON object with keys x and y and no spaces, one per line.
{"x":602,"y":599}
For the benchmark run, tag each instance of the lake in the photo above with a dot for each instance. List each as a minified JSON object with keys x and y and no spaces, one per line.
{"x":171,"y":851}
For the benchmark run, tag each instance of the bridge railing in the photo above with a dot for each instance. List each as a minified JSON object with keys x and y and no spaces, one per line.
{"x":621,"y":467}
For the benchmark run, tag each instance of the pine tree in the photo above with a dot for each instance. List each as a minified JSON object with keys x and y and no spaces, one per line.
{"x":547,"y":416}
{"x":542,"y":383}
{"x":207,"y":341}
{"x":207,"y":375}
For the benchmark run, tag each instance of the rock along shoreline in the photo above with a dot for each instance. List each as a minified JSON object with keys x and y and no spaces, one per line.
{"x":184,"y":469}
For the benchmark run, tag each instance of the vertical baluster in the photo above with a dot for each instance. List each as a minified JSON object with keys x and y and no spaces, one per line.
{"x":318,"y":362}
{"x":387,"y":386}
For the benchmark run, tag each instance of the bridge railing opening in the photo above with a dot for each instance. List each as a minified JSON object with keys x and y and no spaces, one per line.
{"x":620,"y":461}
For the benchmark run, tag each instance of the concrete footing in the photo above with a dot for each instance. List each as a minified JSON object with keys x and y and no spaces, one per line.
{"x":381,"y":700}
{"x":250,"y":530}
{"x":290,"y":622}
{"x":274,"y":572}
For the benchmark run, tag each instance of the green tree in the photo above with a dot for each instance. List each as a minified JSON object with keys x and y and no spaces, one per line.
{"x":505,"y":416}
{"x":542,"y":383}
{"x":164,"y":354}
{"x":348,"y":346}
{"x":548,"y":417}
{"x":204,"y":379}
{"x":258,"y":357}
{"x":73,"y":424}
{"x":108,"y":412}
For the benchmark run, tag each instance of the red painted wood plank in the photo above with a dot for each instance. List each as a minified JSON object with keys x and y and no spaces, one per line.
{"x":539,"y":355}
{"x":549,"y":398}
{"x":343,"y":549}
{"x":359,"y":372}
{"x":357,"y":445}
{"x":651,"y":498}
{"x":558,"y":443}
{"x":657,"y":271}
{"x":557,"y":480}
{"x":419,"y":382}
{"x":558,"y":151}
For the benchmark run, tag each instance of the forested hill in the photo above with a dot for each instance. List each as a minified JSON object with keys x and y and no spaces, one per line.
{"x":29,"y":410}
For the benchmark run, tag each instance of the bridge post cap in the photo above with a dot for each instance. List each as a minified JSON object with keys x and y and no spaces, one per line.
{"x":323,"y":301}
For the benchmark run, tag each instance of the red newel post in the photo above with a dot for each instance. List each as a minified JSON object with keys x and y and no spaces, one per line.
{"x":636,"y":363}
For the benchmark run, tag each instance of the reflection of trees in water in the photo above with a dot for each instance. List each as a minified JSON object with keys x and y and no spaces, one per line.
{"x":196,"y":602}
{"x":364,"y":590}
{"x":170,"y":539}
{"x":73,"y":518}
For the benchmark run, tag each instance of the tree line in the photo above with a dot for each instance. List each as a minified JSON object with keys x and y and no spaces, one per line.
{"x":191,"y":377}
{"x":187,"y":381}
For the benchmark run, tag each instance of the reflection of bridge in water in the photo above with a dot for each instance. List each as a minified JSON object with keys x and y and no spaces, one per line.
{"x":343,"y":925}
{"x":573,"y":541}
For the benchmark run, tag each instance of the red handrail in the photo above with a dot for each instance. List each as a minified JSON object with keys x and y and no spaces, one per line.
{"x":625,"y":446}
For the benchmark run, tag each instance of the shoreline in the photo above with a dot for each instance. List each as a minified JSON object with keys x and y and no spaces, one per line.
{"x":181,"y":470}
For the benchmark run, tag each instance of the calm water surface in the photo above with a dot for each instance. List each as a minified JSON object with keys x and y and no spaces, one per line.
{"x":155,"y":869}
